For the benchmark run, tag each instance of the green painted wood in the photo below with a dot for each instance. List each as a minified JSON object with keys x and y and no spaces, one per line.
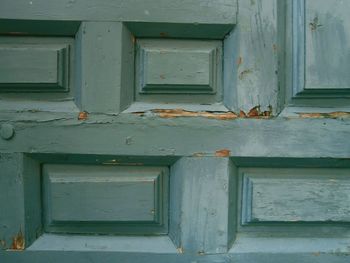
{"x":28,"y":68}
{"x":36,"y":95}
{"x":317,"y":255}
{"x":251,"y":57}
{"x":106,"y":243}
{"x":296,"y":195}
{"x":191,"y":11}
{"x":200,"y":212}
{"x":20,"y":214}
{"x":179,"y":30}
{"x":105,"y":199}
{"x":107,"y":46}
{"x":127,"y":134}
{"x":315,"y":61}
{"x":326,"y":55}
{"x":16,"y":27}
{"x":175,"y":66}
{"x":206,"y":192}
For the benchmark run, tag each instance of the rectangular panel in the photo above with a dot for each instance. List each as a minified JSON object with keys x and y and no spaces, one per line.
{"x":320,"y":50}
{"x":80,"y":198}
{"x":28,"y":68}
{"x":327,"y":44}
{"x":296,"y":195}
{"x":178,"y":66}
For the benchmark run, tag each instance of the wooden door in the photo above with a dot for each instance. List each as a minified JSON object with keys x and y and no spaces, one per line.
{"x":174,"y":131}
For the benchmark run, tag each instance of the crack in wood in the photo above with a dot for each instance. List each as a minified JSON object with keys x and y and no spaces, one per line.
{"x":329,"y":115}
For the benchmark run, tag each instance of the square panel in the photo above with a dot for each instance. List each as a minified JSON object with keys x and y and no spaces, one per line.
{"x":105,"y":199}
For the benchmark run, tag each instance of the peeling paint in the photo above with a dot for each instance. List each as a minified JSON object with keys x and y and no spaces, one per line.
{"x":314,"y":24}
{"x":199,"y":154}
{"x":330,"y":115}
{"x":163,"y":34}
{"x":223,"y":153}
{"x":113,"y":162}
{"x":83,"y":115}
{"x":176,"y":113}
{"x":244,"y":73}
{"x":180,"y":250}
{"x":3,"y":243}
{"x":239,"y":61}
{"x":18,"y":241}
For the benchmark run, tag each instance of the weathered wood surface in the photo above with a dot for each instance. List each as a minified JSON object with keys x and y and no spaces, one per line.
{"x":296,"y":195}
{"x":170,"y":11}
{"x":334,"y":256}
{"x":85,"y":198}
{"x":201,"y":218}
{"x":128,"y":134}
{"x":33,"y":67}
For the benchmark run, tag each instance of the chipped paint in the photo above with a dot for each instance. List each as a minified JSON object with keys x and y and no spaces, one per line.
{"x":330,"y":115}
{"x":199,"y":154}
{"x":180,"y":250}
{"x":83,"y":115}
{"x":176,"y":113}
{"x":244,"y":73}
{"x":314,"y":24}
{"x":3,"y":243}
{"x":163,"y":34}
{"x":223,"y":153}
{"x":114,"y":162}
{"x":239,"y":61}
{"x":18,"y":241}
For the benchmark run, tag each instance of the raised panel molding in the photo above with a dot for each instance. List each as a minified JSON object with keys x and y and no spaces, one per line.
{"x":319,"y":51}
{"x":296,"y":195}
{"x":34,"y":68}
{"x":175,"y":67}
{"x":105,"y":199}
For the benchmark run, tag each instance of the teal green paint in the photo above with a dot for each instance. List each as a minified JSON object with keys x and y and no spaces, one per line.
{"x":287,"y":137}
{"x":7,"y":131}
{"x":200,"y":217}
{"x":315,"y":58}
{"x":295,"y":195}
{"x":33,"y":68}
{"x":177,"y":66}
{"x":165,"y":11}
{"x":31,"y":27}
{"x":179,"y":30}
{"x":105,"y":199}
{"x":36,"y":69}
{"x":207,"y":197}
{"x":107,"y":46}
{"x":20,"y":199}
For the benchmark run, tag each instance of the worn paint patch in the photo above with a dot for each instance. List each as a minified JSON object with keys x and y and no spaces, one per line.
{"x":18,"y":241}
{"x":314,"y":24}
{"x":180,"y":250}
{"x":223,"y":153}
{"x":239,"y":61}
{"x":3,"y":243}
{"x":330,"y":115}
{"x":176,"y":113}
{"x":83,"y":116}
{"x":244,"y":73}
{"x":256,"y":112}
